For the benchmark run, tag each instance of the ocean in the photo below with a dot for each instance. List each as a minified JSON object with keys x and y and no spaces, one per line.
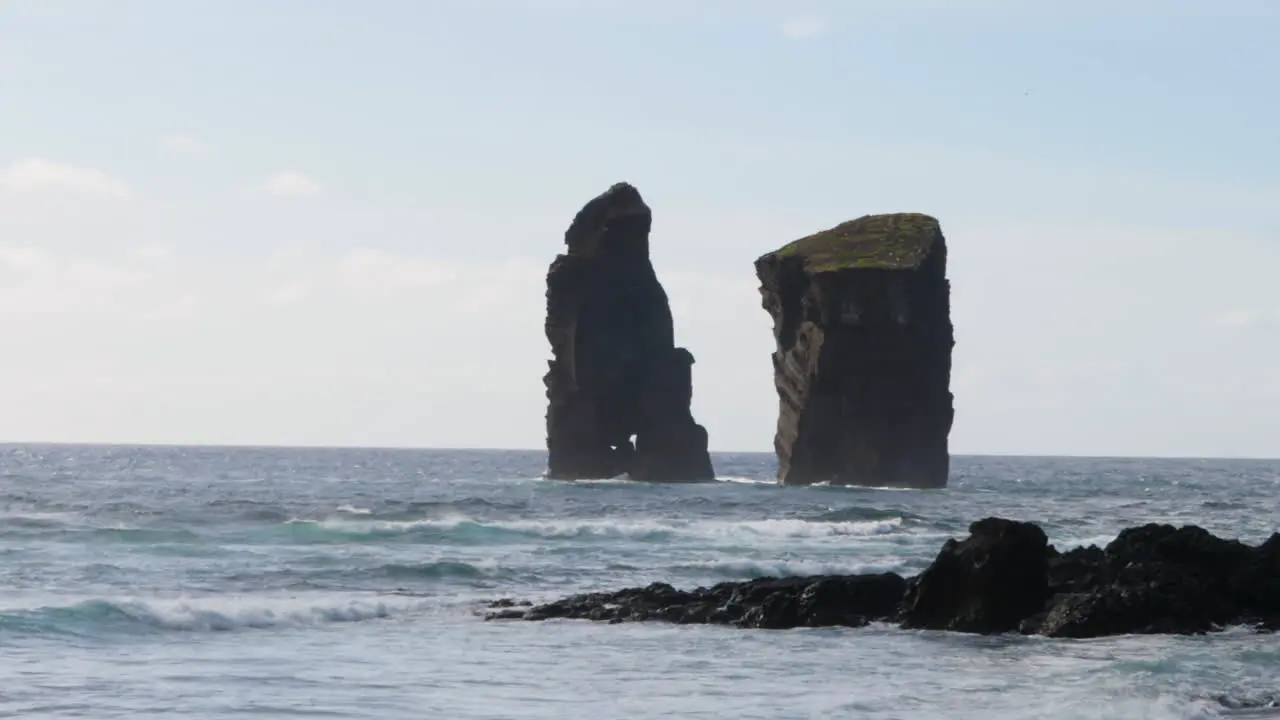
{"x":144,"y":582}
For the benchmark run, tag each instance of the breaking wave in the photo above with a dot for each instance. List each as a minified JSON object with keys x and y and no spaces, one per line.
{"x":748,"y":569}
{"x":467,"y":530}
{"x":223,"y":614}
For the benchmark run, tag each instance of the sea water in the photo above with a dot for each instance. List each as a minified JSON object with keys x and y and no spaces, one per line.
{"x":215,"y":583}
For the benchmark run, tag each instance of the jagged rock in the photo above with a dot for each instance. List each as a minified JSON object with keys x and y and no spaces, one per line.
{"x":1003,"y":577}
{"x":987,"y":583}
{"x":618,"y":388}
{"x":1255,"y":705}
{"x":1162,"y":579}
{"x":862,"y":321}
{"x":773,"y":603}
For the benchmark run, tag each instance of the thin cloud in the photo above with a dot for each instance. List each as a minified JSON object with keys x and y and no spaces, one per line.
{"x":366,"y":274}
{"x":39,"y":281}
{"x":151,"y":251}
{"x":372,"y":273}
{"x":1244,"y":319}
{"x":803,"y":27}
{"x":289,"y":183}
{"x":290,"y":292}
{"x":183,"y":144}
{"x":38,"y":174}
{"x":1236,"y":319}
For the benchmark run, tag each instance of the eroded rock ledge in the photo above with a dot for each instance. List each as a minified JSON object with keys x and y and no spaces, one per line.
{"x":862,"y":365}
{"x":1004,"y":577}
{"x":618,"y":388}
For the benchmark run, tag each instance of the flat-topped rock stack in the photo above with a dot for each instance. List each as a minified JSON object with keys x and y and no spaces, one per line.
{"x":862,"y":366}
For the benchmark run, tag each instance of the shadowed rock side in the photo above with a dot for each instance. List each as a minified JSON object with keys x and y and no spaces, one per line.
{"x":618,"y":389}
{"x":862,"y":321}
{"x":1004,"y":577}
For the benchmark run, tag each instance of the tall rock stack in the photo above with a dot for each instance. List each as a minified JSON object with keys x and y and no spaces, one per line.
{"x":862,"y":320}
{"x":618,"y":388}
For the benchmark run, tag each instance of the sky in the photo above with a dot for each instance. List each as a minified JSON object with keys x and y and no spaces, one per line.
{"x":324,"y":222}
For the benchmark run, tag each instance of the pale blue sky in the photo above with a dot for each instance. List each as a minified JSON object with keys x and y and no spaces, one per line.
{"x":327,"y":222}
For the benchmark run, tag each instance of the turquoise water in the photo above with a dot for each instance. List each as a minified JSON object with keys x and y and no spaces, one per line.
{"x":206,"y":583}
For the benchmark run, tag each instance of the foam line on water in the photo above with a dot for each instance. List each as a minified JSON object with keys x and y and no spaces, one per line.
{"x":749,"y":568}
{"x":215,"y":614}
{"x":463,"y":528}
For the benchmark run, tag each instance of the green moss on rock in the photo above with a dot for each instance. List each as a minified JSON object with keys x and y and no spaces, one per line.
{"x":898,"y":241}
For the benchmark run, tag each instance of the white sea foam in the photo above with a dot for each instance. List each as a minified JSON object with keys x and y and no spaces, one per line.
{"x":745,"y":480}
{"x":39,"y":519}
{"x":705,"y":529}
{"x":227,"y":613}
{"x":1070,"y":544}
{"x":751,"y":567}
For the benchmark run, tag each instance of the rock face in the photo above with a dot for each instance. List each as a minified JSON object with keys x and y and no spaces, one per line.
{"x":823,"y":601}
{"x":987,"y":583}
{"x":618,"y":388}
{"x":1162,"y":579}
{"x":862,"y":321}
{"x":1004,"y":577}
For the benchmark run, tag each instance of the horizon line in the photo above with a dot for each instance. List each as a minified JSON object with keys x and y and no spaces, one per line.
{"x":425,"y":448}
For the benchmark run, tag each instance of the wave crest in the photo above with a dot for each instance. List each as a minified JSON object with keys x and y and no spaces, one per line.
{"x":102,"y":616}
{"x":749,"y":569}
{"x":466,"y":530}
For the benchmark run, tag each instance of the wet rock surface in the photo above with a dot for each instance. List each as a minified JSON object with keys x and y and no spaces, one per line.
{"x":1164,"y":579}
{"x":774,"y":603}
{"x":1003,"y":577}
{"x":987,"y":583}
{"x":1265,"y":705}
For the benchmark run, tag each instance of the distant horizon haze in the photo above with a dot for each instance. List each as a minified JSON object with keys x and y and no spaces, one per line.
{"x":542,"y":450}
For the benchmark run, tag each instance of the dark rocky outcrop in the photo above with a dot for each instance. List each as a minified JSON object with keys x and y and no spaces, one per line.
{"x":862,"y":321}
{"x":773,"y":603}
{"x":1163,"y":579}
{"x":618,"y":388}
{"x":987,"y":583}
{"x":1004,"y":577}
{"x":1252,"y":705}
